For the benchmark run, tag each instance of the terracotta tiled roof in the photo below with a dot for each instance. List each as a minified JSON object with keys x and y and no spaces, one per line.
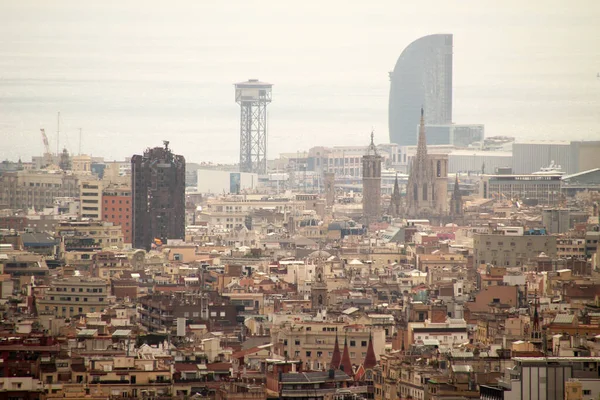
{"x":584,"y":291}
{"x":186,"y":367}
{"x":243,"y":353}
{"x":218,"y":367}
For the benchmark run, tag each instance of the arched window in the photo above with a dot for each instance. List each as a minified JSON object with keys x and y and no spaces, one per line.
{"x":416,"y":192}
{"x":424,"y":192}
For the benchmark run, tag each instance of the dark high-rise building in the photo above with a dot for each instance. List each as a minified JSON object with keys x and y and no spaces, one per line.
{"x":158,"y":193}
{"x":422,"y":78}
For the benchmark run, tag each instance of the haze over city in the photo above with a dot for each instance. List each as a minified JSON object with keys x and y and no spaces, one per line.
{"x":274,"y":200}
{"x":131,"y":74}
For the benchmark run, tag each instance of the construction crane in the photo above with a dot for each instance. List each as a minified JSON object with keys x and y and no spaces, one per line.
{"x":45,"y":139}
{"x":47,"y":154}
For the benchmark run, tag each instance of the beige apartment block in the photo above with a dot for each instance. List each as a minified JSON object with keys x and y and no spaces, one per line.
{"x":73,"y":296}
{"x":36,"y":189}
{"x":81,"y":164}
{"x":313,"y":342}
{"x":129,"y":377}
{"x":511,"y":250}
{"x":81,"y":235}
{"x":230,"y":212}
{"x":90,"y":197}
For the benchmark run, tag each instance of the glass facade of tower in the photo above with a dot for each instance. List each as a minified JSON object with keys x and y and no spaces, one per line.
{"x":158,"y":196}
{"x":422,"y":77}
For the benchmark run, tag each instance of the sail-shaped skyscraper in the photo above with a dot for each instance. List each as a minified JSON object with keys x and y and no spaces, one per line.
{"x":422,"y":77}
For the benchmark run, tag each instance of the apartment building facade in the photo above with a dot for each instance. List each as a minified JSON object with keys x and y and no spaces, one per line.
{"x":232,"y":212}
{"x":84,"y":238}
{"x":117,"y":208}
{"x":73,"y":296}
{"x":508,"y":250}
{"x":548,"y":378}
{"x":160,"y":312}
{"x":313,"y":342}
{"x":90,"y":197}
{"x":36,"y":189}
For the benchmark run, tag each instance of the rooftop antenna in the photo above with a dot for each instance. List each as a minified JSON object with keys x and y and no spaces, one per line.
{"x":79,"y":141}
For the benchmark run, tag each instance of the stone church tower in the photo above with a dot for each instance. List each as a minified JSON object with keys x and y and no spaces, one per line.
{"x":329,"y":181}
{"x":427,"y":191}
{"x":318,"y":289}
{"x":371,"y":201}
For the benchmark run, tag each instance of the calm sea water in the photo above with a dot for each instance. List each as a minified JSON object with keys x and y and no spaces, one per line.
{"x":131,"y":74}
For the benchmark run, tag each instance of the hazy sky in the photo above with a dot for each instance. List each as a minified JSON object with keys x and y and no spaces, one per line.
{"x":131,"y":74}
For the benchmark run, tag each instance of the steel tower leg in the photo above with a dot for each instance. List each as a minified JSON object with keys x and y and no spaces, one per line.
{"x":253,"y":137}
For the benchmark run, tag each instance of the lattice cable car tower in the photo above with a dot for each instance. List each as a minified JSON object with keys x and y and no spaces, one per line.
{"x":253,"y":97}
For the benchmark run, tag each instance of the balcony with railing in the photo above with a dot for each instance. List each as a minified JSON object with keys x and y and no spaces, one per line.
{"x":285,"y":393}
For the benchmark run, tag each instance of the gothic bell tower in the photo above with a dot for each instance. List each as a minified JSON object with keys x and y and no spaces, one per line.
{"x":371,"y":182}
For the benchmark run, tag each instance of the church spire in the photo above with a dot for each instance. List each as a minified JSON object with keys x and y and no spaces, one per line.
{"x":337,"y":356}
{"x":346,"y":364}
{"x":370,"y":358}
{"x":456,"y":203}
{"x":372,"y":150}
{"x":422,"y":141}
{"x":396,"y":200}
{"x":536,"y":315}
